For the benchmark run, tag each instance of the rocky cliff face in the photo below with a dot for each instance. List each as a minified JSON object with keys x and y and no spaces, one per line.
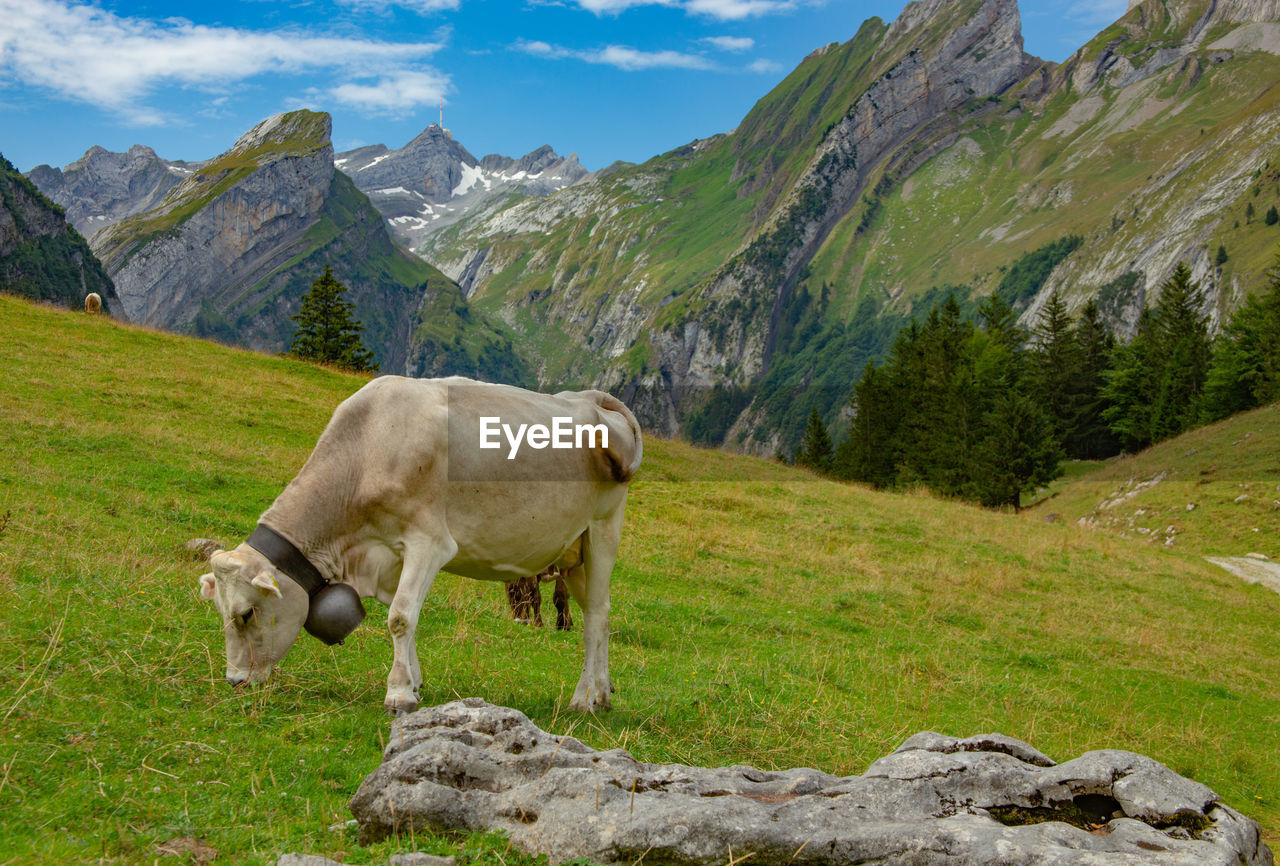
{"x":41,"y":256}
{"x":232,"y":247}
{"x":433,"y":181}
{"x":102,"y":187}
{"x":224,"y":226}
{"x":937,"y":58}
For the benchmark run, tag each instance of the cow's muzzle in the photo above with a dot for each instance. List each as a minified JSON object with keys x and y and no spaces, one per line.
{"x":237,"y":677}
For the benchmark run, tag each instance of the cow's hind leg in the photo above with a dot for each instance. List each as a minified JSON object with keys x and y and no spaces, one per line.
{"x":421,"y":562}
{"x":564,"y":617}
{"x":589,"y":585}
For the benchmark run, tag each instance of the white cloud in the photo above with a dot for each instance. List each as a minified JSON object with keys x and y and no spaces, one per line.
{"x":92,"y":55}
{"x":730,"y":43}
{"x":619,"y":56}
{"x":396,"y":93}
{"x":765,"y":66}
{"x":613,"y":7}
{"x":723,"y":10}
{"x":736,"y":10}
{"x":422,"y":7}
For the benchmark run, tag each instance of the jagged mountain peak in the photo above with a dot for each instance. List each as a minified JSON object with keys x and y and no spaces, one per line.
{"x":533,"y":162}
{"x":916,"y":15}
{"x":434,"y":180}
{"x":951,"y":21}
{"x":104,"y":186}
{"x":294,"y":131}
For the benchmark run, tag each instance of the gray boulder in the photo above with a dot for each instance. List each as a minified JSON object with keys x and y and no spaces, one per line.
{"x":469,"y":765}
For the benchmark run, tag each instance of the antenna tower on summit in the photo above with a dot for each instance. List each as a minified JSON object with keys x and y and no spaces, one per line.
{"x":442,"y":129}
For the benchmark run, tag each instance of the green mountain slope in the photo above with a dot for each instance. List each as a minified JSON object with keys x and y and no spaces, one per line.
{"x":922,"y":156}
{"x":1214,"y":490}
{"x":41,"y":255}
{"x":760,"y":615}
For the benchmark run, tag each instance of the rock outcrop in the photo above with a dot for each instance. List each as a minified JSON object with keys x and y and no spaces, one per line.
{"x":989,"y":799}
{"x":430,"y":165}
{"x":42,"y":257}
{"x":226,"y":227}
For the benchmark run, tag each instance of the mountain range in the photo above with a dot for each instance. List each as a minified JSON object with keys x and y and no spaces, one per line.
{"x":729,"y":286}
{"x":433,"y":181}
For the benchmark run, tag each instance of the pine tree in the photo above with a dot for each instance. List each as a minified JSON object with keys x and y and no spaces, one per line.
{"x":1129,"y":390}
{"x":1221,"y":258}
{"x":1056,"y":374}
{"x":1018,"y":452}
{"x":1184,"y":351}
{"x":870,"y":453}
{"x":1272,"y":216}
{"x":815,"y":449}
{"x":1245,"y":371}
{"x":943,"y":408}
{"x":1090,"y":437}
{"x":327,"y":332}
{"x":1155,"y":386}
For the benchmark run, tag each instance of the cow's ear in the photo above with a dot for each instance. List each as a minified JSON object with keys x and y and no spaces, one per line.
{"x":266,"y":581}
{"x":207,"y":585}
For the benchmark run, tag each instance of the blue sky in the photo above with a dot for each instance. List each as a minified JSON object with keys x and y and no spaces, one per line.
{"x":608,"y":79}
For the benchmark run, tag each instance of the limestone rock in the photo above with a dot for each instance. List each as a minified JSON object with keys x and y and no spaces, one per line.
{"x":989,"y":799}
{"x":305,"y":860}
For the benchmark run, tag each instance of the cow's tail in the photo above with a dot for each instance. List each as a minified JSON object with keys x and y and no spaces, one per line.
{"x":623,"y":473}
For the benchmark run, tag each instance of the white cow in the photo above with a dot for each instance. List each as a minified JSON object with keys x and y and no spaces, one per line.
{"x":412,"y":476}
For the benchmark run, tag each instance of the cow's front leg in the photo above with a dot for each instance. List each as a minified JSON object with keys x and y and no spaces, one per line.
{"x":421,"y":563}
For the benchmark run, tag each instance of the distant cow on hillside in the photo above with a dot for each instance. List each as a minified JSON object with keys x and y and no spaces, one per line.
{"x":93,"y":303}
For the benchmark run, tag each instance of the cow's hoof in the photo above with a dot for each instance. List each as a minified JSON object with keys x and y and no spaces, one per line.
{"x":583,"y":705}
{"x":400,"y":704}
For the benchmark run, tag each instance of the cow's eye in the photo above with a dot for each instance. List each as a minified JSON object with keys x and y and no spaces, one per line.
{"x":243,"y":619}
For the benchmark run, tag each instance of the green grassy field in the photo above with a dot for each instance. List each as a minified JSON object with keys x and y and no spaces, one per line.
{"x":760,"y":615}
{"x":1214,"y":491}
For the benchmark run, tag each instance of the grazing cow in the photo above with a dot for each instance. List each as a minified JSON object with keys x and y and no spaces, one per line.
{"x":93,"y":303}
{"x":524,"y":596}
{"x":412,"y":476}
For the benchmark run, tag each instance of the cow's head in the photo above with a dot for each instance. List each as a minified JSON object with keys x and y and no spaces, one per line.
{"x":262,"y":611}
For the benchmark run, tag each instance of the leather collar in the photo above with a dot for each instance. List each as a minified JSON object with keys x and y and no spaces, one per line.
{"x":287,"y":558}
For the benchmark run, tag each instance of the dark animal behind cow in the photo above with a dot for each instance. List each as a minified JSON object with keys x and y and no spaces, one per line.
{"x":524,"y":596}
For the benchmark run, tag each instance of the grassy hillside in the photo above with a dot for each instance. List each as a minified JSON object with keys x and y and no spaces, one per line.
{"x":1213,"y":491}
{"x":760,"y":615}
